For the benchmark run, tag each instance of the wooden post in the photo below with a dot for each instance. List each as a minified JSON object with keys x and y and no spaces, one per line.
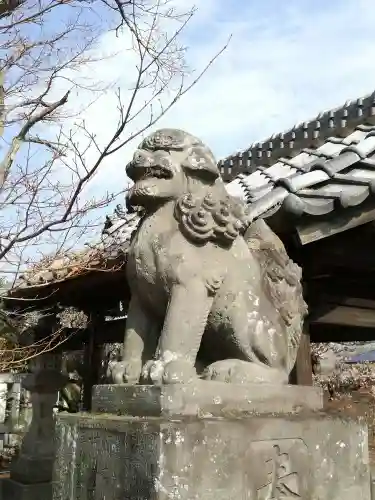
{"x":91,"y":361}
{"x":302,"y":371}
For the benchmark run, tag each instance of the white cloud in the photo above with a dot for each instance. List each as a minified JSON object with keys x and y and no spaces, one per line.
{"x":286,"y":62}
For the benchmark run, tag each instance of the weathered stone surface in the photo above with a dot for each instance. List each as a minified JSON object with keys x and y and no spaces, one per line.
{"x":34,"y":463}
{"x":311,"y":457}
{"x":13,"y":490}
{"x":211,"y":290}
{"x":203,"y":398}
{"x":31,"y":470}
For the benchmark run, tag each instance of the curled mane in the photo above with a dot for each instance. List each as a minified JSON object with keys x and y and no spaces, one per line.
{"x":281,"y":281}
{"x":213,"y":216}
{"x":210,"y":214}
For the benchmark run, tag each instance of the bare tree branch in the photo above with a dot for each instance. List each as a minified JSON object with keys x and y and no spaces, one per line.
{"x":51,"y":155}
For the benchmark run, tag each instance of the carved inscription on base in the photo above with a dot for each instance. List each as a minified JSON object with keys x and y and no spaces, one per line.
{"x":281,"y":469}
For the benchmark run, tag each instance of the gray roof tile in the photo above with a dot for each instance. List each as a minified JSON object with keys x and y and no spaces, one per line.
{"x":311,"y":169}
{"x":113,"y":243}
{"x":339,"y":123}
{"x":340,"y":172}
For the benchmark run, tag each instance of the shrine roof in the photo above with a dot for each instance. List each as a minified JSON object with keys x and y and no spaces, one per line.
{"x":337,"y":122}
{"x":338,"y":174}
{"x":108,"y":254}
{"x":314,"y":168}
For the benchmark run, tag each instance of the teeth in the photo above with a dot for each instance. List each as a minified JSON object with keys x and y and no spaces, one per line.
{"x":155,"y":172}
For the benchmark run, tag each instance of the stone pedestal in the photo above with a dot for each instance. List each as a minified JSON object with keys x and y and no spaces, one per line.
{"x":31,"y":471}
{"x":210,"y":442}
{"x":203,"y":399}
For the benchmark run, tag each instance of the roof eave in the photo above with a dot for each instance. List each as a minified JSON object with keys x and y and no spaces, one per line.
{"x":309,"y":134}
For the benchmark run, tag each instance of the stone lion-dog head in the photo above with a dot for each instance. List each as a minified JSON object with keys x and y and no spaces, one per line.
{"x":172,"y":165}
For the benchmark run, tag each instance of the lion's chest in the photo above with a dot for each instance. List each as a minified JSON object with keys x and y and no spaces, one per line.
{"x":147,"y":266}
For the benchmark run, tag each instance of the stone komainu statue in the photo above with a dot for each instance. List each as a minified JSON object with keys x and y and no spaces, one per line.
{"x":211,"y":295}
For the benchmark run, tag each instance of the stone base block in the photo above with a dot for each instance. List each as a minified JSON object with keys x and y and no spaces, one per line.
{"x":39,"y":470}
{"x":259,"y":457}
{"x":13,"y":490}
{"x":203,"y":399}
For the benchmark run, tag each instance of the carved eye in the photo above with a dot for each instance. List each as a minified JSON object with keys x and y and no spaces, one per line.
{"x":139,"y":158}
{"x":165,"y":162}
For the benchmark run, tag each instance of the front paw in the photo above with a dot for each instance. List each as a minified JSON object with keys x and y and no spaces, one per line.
{"x":125,"y":371}
{"x":236,"y":371}
{"x":177,"y":371}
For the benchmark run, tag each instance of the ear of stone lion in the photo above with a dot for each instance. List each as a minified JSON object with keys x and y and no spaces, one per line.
{"x":201,"y":161}
{"x":282,"y":281}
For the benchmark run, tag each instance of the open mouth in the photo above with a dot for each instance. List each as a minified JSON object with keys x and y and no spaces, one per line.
{"x":138,"y":173}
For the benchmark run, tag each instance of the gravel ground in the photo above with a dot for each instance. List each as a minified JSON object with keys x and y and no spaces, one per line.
{"x":359,"y":403}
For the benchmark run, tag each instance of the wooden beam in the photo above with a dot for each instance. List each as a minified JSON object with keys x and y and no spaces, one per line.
{"x":344,"y":315}
{"x":344,"y":284}
{"x":320,"y":332}
{"x":358,"y":302}
{"x":352,"y":250}
{"x":317,"y":228}
{"x":302,"y":371}
{"x":92,"y":351}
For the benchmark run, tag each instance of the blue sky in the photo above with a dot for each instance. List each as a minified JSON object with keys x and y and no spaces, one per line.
{"x":286,"y":62}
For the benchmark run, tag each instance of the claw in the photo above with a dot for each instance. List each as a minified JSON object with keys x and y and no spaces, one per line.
{"x":125,"y":372}
{"x":157,"y":372}
{"x":160,"y":372}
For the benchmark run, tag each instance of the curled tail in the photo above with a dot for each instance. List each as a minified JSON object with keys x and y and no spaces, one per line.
{"x":281,"y":281}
